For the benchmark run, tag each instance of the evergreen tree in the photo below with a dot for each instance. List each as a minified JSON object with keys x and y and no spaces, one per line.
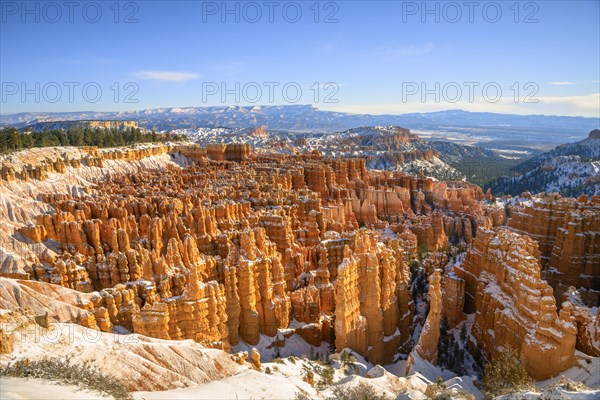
{"x":505,"y":374}
{"x":11,"y":139}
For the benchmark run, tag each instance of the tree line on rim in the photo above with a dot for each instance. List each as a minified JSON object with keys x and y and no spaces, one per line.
{"x":12,"y":139}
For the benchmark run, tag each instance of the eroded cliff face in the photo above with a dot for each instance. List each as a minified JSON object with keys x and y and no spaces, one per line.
{"x":39,"y":164}
{"x":453,"y":298}
{"x":350,"y":325}
{"x":222,"y":245}
{"x":513,"y":306}
{"x":373,"y":301}
{"x":226,"y":245}
{"x":228,"y":152}
{"x":588,"y":322}
{"x":427,"y":347}
{"x":568,"y":233}
{"x":60,"y":320}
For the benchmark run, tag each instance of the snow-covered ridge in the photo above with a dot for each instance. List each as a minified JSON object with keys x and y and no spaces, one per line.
{"x":570,"y":169}
{"x":384,"y":147}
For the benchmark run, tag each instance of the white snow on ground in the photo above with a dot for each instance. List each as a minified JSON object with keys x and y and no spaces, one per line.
{"x":37,"y":389}
{"x":586,"y":371}
{"x":397,"y":368}
{"x":553,"y":394}
{"x":248,"y":384}
{"x":285,"y":379}
{"x":435,"y":168}
{"x":428,"y":370}
{"x":572,"y":168}
{"x":294,"y":346}
{"x":137,"y":361}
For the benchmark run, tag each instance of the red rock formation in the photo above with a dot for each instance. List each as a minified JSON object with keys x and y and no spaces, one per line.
{"x":256,"y":359}
{"x":259,"y":131}
{"x":514,"y":306}
{"x":430,"y":232}
{"x":216,"y":151}
{"x":408,"y":243}
{"x":427,"y":347}
{"x":588,"y":324}
{"x":237,"y":152}
{"x":350,"y":325}
{"x":453,"y":299}
{"x":235,"y":245}
{"x":567,"y":233}
{"x":435,"y":260}
{"x":382,"y":320}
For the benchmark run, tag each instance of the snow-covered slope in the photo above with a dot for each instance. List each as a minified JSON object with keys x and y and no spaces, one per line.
{"x":571,"y":170}
{"x":32,"y":389}
{"x":384,"y":147}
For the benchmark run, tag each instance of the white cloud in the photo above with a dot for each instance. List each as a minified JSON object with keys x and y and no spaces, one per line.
{"x":561,"y":83}
{"x":166,"y":76}
{"x":589,"y":103}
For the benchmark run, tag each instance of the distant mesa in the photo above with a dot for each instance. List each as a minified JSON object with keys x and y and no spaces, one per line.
{"x":595,"y":134}
{"x":82,"y":124}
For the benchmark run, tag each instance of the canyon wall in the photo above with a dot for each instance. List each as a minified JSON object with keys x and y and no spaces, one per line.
{"x":568,"y":233}
{"x":513,"y":306}
{"x":227,"y":245}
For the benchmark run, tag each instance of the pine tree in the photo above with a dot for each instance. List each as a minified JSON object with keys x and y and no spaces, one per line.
{"x":505,"y":374}
{"x":463,"y":333}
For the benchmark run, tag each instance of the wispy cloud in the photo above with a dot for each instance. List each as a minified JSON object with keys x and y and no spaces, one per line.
{"x":561,"y":83}
{"x":589,"y":102}
{"x":166,"y":76}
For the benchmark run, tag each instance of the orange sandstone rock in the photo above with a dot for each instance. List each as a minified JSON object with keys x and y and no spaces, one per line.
{"x":427,"y":347}
{"x":514,"y":306}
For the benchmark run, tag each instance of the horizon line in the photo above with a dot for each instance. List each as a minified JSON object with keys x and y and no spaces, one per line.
{"x":294,"y":105}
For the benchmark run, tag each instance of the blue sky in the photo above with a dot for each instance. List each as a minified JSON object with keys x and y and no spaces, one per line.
{"x":376,"y":56}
